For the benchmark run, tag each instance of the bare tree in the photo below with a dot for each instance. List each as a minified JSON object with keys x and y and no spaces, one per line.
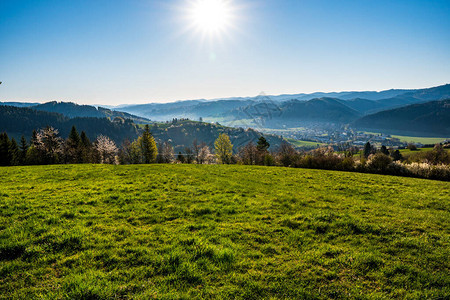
{"x":196,"y":148}
{"x":189,"y":155}
{"x":248,"y":154}
{"x":166,"y":154}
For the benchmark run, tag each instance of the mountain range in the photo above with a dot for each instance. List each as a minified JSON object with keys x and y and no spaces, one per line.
{"x":320,"y":108}
{"x":283,"y":111}
{"x":73,"y":110}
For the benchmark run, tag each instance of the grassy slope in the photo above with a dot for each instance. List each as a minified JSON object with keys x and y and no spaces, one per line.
{"x":423,"y":140}
{"x":171,"y":231}
{"x":413,"y":139}
{"x":300,"y":144}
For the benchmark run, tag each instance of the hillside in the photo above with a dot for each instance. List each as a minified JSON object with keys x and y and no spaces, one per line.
{"x":252,"y":109}
{"x":17,"y":121}
{"x":182,"y":134}
{"x":296,"y":113}
{"x":220,"y":232}
{"x":73,"y":110}
{"x":186,"y":109}
{"x":431,"y":118}
{"x":19,"y":104}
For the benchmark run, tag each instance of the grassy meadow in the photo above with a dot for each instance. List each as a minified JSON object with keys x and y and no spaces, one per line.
{"x":423,"y":140}
{"x":303,"y":144}
{"x":212,"y":231}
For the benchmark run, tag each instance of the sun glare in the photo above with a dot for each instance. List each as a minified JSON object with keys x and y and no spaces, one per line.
{"x":211,"y":16}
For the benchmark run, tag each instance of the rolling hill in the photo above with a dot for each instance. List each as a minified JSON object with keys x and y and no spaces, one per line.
{"x":182,"y":134}
{"x":296,"y":113}
{"x":17,"y":121}
{"x":430,"y":118}
{"x":73,"y":110}
{"x":228,"y":110}
{"x":272,"y":111}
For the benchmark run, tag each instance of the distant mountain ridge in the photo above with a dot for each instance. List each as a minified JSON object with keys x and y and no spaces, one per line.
{"x":266,"y":111}
{"x":19,"y":121}
{"x":362,"y":102}
{"x":73,"y":110}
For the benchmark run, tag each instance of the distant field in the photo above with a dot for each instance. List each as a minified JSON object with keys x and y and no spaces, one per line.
{"x":193,"y":231}
{"x":414,"y":139}
{"x":298,"y":143}
{"x":422,"y":140}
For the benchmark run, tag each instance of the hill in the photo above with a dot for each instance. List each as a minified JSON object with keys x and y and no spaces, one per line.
{"x":73,"y":110}
{"x":19,"y":104}
{"x":186,"y":109}
{"x":18,"y":121}
{"x":182,"y":134}
{"x":431,"y":118}
{"x":222,"y":232}
{"x":296,"y":113}
{"x":366,"y":106}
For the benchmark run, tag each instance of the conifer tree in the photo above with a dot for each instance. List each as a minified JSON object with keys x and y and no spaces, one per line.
{"x":23,"y":150}
{"x":72,"y":147}
{"x":262,"y":144}
{"x":74,"y":137}
{"x":5,"y":157}
{"x":85,"y":142}
{"x":14,"y":153}
{"x":384,"y":150}
{"x":148,"y":144}
{"x":367,"y":150}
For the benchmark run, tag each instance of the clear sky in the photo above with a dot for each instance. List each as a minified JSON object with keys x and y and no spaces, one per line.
{"x":140,"y":51}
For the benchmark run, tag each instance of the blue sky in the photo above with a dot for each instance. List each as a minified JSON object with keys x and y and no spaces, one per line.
{"x":140,"y":51}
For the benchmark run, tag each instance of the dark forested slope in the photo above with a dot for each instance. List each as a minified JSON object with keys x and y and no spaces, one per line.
{"x":430,"y":118}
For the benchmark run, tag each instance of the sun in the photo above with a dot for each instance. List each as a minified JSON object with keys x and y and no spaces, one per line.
{"x":211,"y":16}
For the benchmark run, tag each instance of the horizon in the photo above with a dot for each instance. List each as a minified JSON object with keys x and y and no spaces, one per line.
{"x":216,"y":99}
{"x":115,"y":53}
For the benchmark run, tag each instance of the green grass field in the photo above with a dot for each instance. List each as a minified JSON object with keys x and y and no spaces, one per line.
{"x":422,"y":140}
{"x":193,"y":231}
{"x":303,"y":144}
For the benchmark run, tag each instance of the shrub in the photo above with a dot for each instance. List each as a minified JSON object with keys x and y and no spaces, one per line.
{"x":412,"y":147}
{"x":378,"y":162}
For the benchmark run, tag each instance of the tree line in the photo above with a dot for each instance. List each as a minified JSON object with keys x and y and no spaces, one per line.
{"x":47,"y":147}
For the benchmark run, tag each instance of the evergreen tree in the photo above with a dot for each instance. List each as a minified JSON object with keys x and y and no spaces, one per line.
{"x":23,"y":150}
{"x":86,"y":148}
{"x":85,"y":142}
{"x":33,"y":141}
{"x":367,"y":150}
{"x":5,"y":157}
{"x":384,"y":150}
{"x":262,"y":144}
{"x":74,"y":137}
{"x":73,"y":147}
{"x":148,"y":144}
{"x":14,"y":153}
{"x":396,"y":155}
{"x":223,"y":149}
